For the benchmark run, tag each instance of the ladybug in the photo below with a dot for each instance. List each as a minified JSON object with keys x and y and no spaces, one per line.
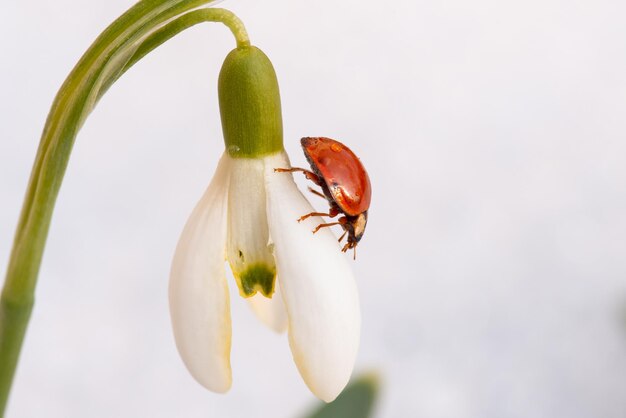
{"x":344,"y":182}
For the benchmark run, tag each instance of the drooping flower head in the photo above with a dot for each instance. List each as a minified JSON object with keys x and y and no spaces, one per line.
{"x":248,"y":217}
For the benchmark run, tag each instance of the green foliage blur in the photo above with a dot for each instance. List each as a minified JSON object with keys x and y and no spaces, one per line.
{"x":356,"y":401}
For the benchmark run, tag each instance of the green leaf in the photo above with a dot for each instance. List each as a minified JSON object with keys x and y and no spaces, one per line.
{"x":356,"y":400}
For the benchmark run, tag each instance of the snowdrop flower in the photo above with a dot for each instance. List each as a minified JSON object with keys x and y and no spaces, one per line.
{"x":248,"y":216}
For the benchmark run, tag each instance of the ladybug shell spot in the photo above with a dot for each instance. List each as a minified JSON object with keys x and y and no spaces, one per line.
{"x":342,"y":172}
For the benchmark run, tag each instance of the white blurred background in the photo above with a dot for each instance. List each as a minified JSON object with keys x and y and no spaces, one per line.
{"x":493,"y":271}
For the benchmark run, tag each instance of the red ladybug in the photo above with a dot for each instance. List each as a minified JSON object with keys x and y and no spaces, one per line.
{"x":345,"y":184}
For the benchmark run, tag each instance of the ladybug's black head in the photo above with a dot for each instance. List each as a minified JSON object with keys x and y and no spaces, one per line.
{"x":355,"y":227}
{"x":358,"y":227}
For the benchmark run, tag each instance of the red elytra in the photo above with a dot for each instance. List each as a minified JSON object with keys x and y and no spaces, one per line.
{"x":344,"y":181}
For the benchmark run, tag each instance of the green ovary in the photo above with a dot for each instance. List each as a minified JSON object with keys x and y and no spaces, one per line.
{"x":257,"y":277}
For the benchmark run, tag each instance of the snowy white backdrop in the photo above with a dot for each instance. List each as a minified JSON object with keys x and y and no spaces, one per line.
{"x":493,"y":271}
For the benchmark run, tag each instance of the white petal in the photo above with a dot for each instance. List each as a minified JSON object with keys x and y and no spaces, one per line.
{"x":249,"y":254}
{"x":270,"y":311}
{"x":318,"y":287}
{"x":199,"y":300}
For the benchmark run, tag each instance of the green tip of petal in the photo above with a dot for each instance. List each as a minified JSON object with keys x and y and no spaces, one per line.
{"x":257,"y":278}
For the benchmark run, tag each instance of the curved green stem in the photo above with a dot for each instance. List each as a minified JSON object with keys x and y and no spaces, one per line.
{"x":178,"y":25}
{"x":186,"y":21}
{"x":137,"y":32}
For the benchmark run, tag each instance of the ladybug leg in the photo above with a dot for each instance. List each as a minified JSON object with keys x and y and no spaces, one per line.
{"x":334,"y":211}
{"x":331,"y":213}
{"x":320,"y":226}
{"x":340,"y":221}
{"x":342,"y":235}
{"x":308,"y":215}
{"x":347,"y":247}
{"x":315,"y":192}
{"x":307,"y":173}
